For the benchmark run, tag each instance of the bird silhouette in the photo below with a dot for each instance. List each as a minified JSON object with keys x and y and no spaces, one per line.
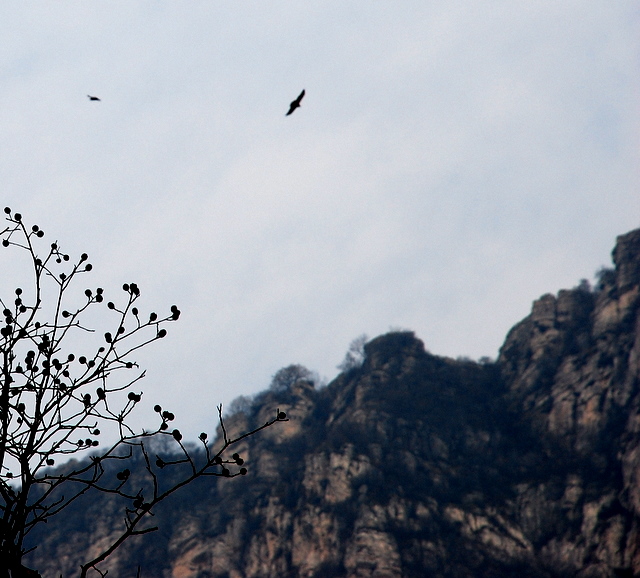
{"x":295,"y":104}
{"x":92,"y":97}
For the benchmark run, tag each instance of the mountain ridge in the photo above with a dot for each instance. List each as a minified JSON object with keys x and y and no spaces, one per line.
{"x":414,"y":465}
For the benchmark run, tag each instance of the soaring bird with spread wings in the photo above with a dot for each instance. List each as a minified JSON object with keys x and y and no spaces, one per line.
{"x":295,"y":104}
{"x":92,"y":97}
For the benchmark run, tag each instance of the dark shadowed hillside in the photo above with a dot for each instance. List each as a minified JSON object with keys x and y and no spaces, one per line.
{"x":413,"y":465}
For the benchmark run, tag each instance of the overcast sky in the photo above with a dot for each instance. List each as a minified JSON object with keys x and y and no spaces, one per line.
{"x":450,"y":163}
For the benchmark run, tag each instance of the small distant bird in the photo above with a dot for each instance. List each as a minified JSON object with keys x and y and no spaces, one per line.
{"x":295,"y":104}
{"x":92,"y":97}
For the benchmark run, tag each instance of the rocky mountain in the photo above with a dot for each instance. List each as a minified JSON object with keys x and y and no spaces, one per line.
{"x":414,"y":465}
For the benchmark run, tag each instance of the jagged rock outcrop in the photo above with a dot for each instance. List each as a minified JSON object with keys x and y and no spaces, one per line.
{"x":413,"y":465}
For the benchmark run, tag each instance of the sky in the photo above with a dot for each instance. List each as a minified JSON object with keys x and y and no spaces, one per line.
{"x":450,"y":163}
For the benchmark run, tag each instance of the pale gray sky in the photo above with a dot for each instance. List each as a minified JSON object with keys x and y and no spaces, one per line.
{"x":450,"y":163}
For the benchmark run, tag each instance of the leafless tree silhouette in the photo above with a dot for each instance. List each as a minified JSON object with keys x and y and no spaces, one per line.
{"x":53,"y":404}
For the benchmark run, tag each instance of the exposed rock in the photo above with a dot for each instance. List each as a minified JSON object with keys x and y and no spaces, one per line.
{"x":414,"y":465}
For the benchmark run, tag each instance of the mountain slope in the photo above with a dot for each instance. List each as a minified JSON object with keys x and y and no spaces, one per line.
{"x":415,"y":465}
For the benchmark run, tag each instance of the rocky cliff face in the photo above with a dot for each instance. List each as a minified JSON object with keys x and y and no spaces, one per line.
{"x":414,"y":465}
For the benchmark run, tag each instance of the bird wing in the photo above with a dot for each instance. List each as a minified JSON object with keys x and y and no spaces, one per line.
{"x":295,"y":103}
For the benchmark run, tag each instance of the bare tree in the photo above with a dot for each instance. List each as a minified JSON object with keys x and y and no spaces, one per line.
{"x":54,"y":404}
{"x":240,"y":404}
{"x":288,"y":376}
{"x":355,"y":355}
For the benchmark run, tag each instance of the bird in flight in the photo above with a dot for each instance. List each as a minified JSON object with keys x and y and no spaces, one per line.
{"x":92,"y":97}
{"x":295,"y":104}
